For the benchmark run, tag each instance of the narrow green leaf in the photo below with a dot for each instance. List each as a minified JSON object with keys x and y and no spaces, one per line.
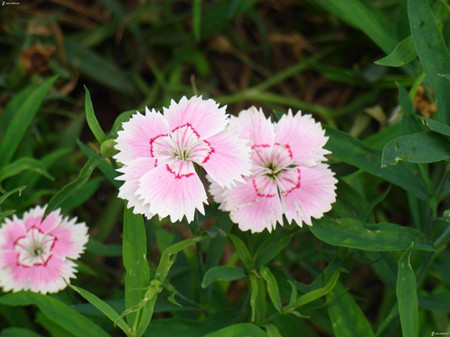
{"x":91,"y":119}
{"x":7,"y":194}
{"x":272,"y":330}
{"x":354,"y":233}
{"x":197,"y":18}
{"x":351,"y":151}
{"x":31,"y":178}
{"x":14,"y":104}
{"x":269,"y":250}
{"x":105,"y":308}
{"x":346,"y":317}
{"x":56,"y":311}
{"x":147,"y":312}
{"x":137,"y":276}
{"x":435,"y":126}
{"x":408,"y":305}
{"x":437,"y":302}
{"x":364,"y":17}
{"x":421,"y":147}
{"x":408,"y":123}
{"x":24,"y":164}
{"x":223,"y":273}
{"x":75,"y":185}
{"x":19,"y":332}
{"x":272,"y":287}
{"x":100,"y":249}
{"x":104,"y":166}
{"x":293,"y":296}
{"x":122,"y":118}
{"x":169,"y":254}
{"x":403,"y":53}
{"x":82,"y":195}
{"x":316,"y":293}
{"x":257,"y":297}
{"x":367,"y":210}
{"x":432,"y":52}
{"x":21,"y":121}
{"x":98,"y":68}
{"x":241,"y":250}
{"x":238,"y":330}
{"x":405,"y":101}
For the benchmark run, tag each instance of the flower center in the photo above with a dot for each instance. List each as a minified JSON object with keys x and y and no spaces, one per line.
{"x":274,"y":170}
{"x":182,"y":143}
{"x":34,"y":248}
{"x":179,"y":149}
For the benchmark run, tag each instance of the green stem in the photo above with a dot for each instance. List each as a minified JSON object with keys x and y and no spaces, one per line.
{"x":196,"y":231}
{"x":431,"y":256}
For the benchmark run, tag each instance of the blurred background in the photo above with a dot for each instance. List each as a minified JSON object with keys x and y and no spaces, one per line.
{"x":277,"y":54}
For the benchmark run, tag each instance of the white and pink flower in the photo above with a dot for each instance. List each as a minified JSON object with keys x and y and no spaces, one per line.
{"x":160,"y":152}
{"x":35,"y":252}
{"x":287,"y":177}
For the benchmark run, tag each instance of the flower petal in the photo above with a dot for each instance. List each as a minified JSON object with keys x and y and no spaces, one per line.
{"x":313,"y":198}
{"x":253,"y":125}
{"x":132,"y":173}
{"x":169,"y":194}
{"x":10,"y":232}
{"x":71,"y":237}
{"x":229,"y":159}
{"x":204,"y":116}
{"x":304,"y":137}
{"x":134,"y":140}
{"x":252,"y":211}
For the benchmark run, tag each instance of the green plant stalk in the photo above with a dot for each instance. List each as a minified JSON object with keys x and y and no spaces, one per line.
{"x":196,"y":231}
{"x":431,"y":257}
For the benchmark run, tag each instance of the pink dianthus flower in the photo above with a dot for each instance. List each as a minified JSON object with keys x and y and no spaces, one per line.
{"x":159,"y":153}
{"x":35,"y":252}
{"x":287,"y":176}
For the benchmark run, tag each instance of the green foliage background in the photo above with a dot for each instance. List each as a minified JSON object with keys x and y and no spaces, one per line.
{"x":377,"y":74}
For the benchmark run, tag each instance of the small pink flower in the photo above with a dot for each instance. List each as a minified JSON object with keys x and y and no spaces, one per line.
{"x":35,"y":251}
{"x":160,"y":153}
{"x":287,"y":176}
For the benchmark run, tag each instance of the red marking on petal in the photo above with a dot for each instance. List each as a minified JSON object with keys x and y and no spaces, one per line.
{"x":189,"y":126}
{"x":259,"y":194}
{"x":152,"y":140}
{"x":210,"y":152}
{"x":178,"y":176}
{"x":297,"y":184}
{"x":54,"y":242}
{"x":18,"y":239}
{"x":260,"y":145}
{"x":287,"y":147}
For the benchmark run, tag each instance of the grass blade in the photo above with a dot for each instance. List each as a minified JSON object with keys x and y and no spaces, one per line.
{"x":407,"y":296}
{"x":24,"y":164}
{"x":57,"y":312}
{"x":7,"y":194}
{"x":75,"y":185}
{"x":403,"y":53}
{"x":21,"y":121}
{"x":352,"y":151}
{"x":432,"y":52}
{"x":104,"y":307}
{"x":354,"y":233}
{"x":137,"y":276}
{"x":91,"y":119}
{"x":421,"y":147}
{"x":346,"y":316}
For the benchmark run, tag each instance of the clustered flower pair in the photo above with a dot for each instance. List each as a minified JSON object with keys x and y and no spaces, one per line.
{"x":258,"y":170}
